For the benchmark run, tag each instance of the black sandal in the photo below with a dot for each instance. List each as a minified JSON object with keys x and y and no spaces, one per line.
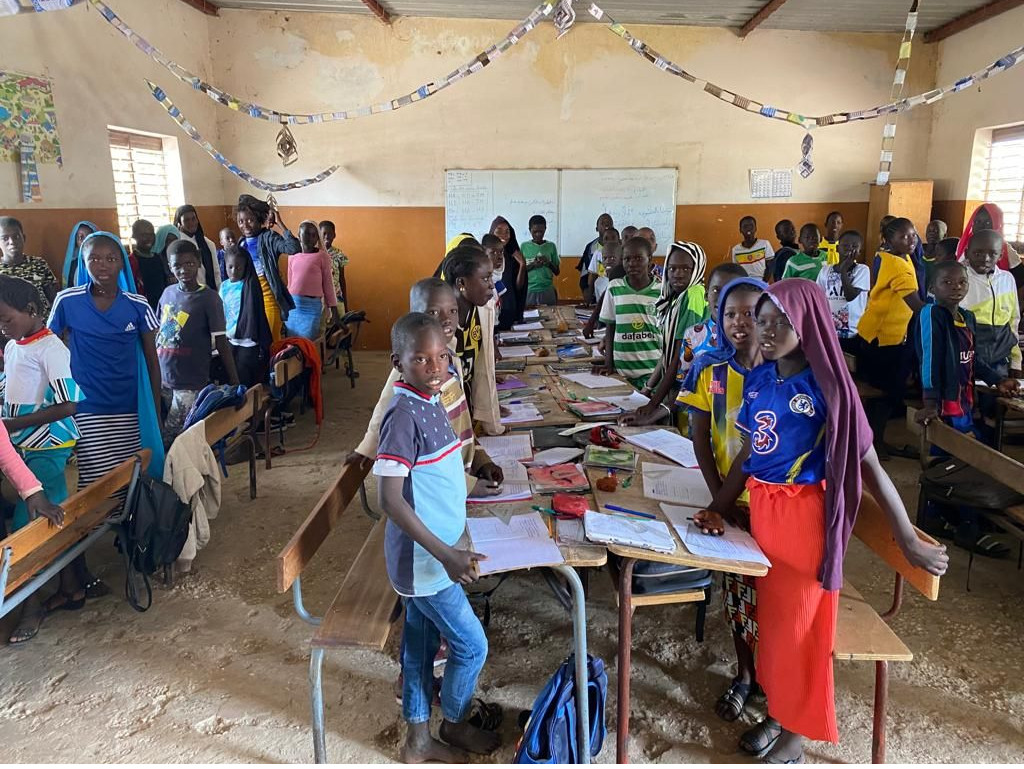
{"x":96,"y":588}
{"x":731,"y":704}
{"x":758,"y":740}
{"x":986,"y":545}
{"x":28,"y":627}
{"x":485,"y":715}
{"x":69,"y":603}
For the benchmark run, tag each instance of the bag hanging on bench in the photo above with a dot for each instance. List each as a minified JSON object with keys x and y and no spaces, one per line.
{"x":551,"y":734}
{"x":953,"y":482}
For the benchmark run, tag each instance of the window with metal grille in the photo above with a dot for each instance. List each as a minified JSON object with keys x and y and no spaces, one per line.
{"x":1004,"y":178}
{"x":141,"y":179}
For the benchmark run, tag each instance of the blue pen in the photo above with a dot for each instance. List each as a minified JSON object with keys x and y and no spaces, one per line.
{"x":618,"y":509}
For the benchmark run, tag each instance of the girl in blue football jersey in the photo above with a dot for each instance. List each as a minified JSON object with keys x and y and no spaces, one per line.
{"x":807,"y":448}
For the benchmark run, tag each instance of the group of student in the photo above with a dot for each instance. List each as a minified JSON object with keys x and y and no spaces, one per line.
{"x":111,"y":358}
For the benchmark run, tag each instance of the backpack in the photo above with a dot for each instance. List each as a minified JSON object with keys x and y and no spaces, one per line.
{"x":214,"y":398}
{"x":551,"y":734}
{"x":151,"y":532}
{"x":954,"y":482}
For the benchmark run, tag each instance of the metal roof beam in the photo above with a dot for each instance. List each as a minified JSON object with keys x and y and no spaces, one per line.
{"x":202,"y":5}
{"x":969,"y":19}
{"x":378,"y":10}
{"x":755,"y":21}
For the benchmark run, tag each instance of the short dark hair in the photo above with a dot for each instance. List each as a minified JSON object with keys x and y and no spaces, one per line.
{"x":894,"y":225}
{"x":833,"y":213}
{"x":851,"y":234}
{"x":18,"y":293}
{"x":642,"y":243}
{"x":974,"y":236}
{"x":947,"y":247}
{"x":326,"y":223}
{"x":938,"y":268}
{"x":10,"y":221}
{"x":461,"y":262}
{"x":407,"y":328}
{"x":748,"y":217}
{"x":810,"y":226}
{"x":489,"y":241}
{"x":538,"y":219}
{"x":728,"y":268}
{"x":781,"y":223}
{"x":180,"y":247}
{"x":258,"y":208}
{"x":422,"y":290}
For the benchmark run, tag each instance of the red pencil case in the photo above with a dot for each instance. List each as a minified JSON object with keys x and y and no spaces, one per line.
{"x":569,"y":505}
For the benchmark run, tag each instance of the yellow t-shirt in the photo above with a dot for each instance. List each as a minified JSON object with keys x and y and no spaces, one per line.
{"x":887,"y":315}
{"x":719,"y":392}
{"x":831,"y":248}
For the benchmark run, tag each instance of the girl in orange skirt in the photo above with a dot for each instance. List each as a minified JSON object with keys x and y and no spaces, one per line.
{"x":807,"y":449}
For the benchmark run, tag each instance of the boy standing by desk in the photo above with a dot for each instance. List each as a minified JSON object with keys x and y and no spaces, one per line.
{"x":423,"y":493}
{"x":541,"y":264}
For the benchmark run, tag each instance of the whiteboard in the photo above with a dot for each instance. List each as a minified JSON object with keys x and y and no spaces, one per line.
{"x":474,"y":198}
{"x":643,"y":197}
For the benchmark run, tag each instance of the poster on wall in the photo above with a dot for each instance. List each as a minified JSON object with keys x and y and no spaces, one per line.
{"x":28,"y":128}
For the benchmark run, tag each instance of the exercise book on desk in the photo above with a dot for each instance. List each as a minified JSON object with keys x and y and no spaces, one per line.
{"x":535,"y":325}
{"x":517,"y":351}
{"x":630,"y":402}
{"x":641,"y":533}
{"x":523,"y":543}
{"x":517,"y":446}
{"x":521,"y":412}
{"x":734,"y":545}
{"x":593,"y":381}
{"x":679,"y":485}
{"x":515,"y":487}
{"x":666,"y":444}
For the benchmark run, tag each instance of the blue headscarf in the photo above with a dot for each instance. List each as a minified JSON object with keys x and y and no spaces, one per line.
{"x":72,"y":253}
{"x":149,"y":424}
{"x":724,"y":350}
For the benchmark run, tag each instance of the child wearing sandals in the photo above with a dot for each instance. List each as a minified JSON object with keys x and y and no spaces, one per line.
{"x":422,"y":490}
{"x":713,"y":394}
{"x":806,"y":451}
{"x":39,"y":399}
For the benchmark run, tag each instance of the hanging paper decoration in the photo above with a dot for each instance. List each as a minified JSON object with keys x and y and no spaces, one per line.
{"x":53,"y":5}
{"x":898,"y":79}
{"x":265,"y":113}
{"x":28,"y":128}
{"x":287,"y":148}
{"x":195,"y":136}
{"x":806,"y":164}
{"x":564,"y":18}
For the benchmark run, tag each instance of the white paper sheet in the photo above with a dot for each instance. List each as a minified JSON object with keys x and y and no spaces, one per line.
{"x":678,"y":485}
{"x":531,"y":314}
{"x":534,"y":325}
{"x":570,"y":531}
{"x":555,"y":456}
{"x":593,"y":381}
{"x":631,"y":532}
{"x":512,"y":446}
{"x":517,"y":351}
{"x":581,"y":427}
{"x":667,"y":444}
{"x":515,"y":487}
{"x":734,"y":545}
{"x":523,"y":543}
{"x":514,"y":336}
{"x":630,"y":402}
{"x":521,"y":412}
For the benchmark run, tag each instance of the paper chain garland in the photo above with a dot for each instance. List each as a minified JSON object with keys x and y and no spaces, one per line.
{"x":193,"y":134}
{"x":265,"y":113}
{"x":898,"y":79}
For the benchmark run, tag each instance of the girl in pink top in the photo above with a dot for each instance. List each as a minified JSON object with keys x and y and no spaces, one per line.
{"x":310,"y":284}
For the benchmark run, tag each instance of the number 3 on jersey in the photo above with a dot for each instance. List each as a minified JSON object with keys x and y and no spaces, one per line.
{"x":764,"y":439}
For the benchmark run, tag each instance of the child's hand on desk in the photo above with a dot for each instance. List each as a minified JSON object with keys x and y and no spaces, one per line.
{"x":931,"y":558}
{"x":709,"y":522}
{"x":461,"y":565}
{"x":491,"y":472}
{"x":1008,"y":388}
{"x":926,"y":415}
{"x":41,"y":507}
{"x":485,"y":488}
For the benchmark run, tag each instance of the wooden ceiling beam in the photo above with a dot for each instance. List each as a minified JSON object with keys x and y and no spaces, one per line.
{"x":758,"y":18}
{"x":378,"y":10}
{"x":969,"y":19}
{"x":203,"y":5}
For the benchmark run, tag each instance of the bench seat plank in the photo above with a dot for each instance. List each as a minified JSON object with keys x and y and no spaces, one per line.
{"x":360,"y":614}
{"x":223,"y":421}
{"x":862,"y":635}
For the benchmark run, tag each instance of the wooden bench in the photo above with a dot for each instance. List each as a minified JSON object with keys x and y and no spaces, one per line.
{"x":255,"y":409}
{"x":861,"y":632}
{"x":365,"y":606}
{"x":34,"y":554}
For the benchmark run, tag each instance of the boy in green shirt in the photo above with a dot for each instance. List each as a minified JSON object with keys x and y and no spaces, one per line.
{"x":541,"y":264}
{"x":808,"y":262}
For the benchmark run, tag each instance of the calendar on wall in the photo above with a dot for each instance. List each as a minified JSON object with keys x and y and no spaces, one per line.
{"x":771,"y":182}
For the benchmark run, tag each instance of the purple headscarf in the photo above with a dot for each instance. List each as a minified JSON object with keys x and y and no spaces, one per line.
{"x":849,"y":436}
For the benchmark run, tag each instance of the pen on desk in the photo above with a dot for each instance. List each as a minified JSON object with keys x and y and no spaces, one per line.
{"x":626,"y":510}
{"x":540,"y":509}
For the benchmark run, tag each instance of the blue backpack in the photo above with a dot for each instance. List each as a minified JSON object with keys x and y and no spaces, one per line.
{"x":551,"y":733}
{"x":214,"y":398}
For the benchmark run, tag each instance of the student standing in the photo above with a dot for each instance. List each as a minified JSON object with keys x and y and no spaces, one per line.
{"x":807,"y":450}
{"x":111,"y":332}
{"x":752,"y":253}
{"x":256,"y":221}
{"x":933,"y":234}
{"x":713,"y":394}
{"x":39,"y":396}
{"x":809,"y":261}
{"x":703,"y":337}
{"x":632,"y":343}
{"x":311,"y":286}
{"x":153,"y":273}
{"x":989,"y":216}
{"x":16,"y":264}
{"x":191,"y":314}
{"x":186,"y":219}
{"x":423,"y":493}
{"x":542,"y":264}
{"x":846,"y":285}
{"x":227,"y":238}
{"x":514,"y":277}
{"x":79,"y":232}
{"x":785,"y":231}
{"x":992,"y":299}
{"x":597,"y":278}
{"x":329,"y":234}
{"x":604,"y":222}
{"x":830,"y":237}
{"x":244,"y":317}
{"x":611,"y":263}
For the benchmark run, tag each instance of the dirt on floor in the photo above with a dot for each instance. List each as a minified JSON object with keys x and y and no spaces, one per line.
{"x":216,"y":670}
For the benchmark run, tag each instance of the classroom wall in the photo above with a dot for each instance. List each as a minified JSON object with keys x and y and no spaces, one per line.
{"x":956,"y":119}
{"x":97,"y":79}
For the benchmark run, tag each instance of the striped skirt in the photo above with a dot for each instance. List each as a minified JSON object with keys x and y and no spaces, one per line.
{"x":796,"y":617}
{"x":107,"y":441}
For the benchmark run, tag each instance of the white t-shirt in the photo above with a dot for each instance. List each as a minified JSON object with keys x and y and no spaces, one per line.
{"x":753,"y":259}
{"x":596,"y":267}
{"x":846,"y":315}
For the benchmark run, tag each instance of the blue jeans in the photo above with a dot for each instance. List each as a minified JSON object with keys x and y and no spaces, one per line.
{"x":47,"y":465}
{"x":427,"y":618}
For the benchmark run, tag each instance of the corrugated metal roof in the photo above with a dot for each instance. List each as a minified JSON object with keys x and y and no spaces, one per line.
{"x":821,"y":15}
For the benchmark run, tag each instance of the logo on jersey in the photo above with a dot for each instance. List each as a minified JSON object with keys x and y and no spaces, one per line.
{"x":476,"y":334}
{"x":764,"y":439}
{"x":638,"y":324}
{"x":130,"y":327}
{"x":802,"y":404}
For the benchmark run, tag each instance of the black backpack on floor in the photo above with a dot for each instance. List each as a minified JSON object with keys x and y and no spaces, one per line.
{"x":151,"y":532}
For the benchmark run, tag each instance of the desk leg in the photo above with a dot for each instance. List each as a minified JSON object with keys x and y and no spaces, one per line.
{"x":316,"y":697}
{"x":881,"y":706}
{"x":1000,"y":424}
{"x":625,"y":654}
{"x":579,"y":633}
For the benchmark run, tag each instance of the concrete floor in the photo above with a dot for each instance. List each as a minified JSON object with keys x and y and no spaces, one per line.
{"x":216,"y":670}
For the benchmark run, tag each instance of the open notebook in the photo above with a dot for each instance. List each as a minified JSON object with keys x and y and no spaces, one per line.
{"x":734,"y":545}
{"x":523,"y":543}
{"x":610,"y":529}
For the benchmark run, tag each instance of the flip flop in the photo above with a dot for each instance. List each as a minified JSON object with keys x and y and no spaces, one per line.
{"x":27,"y":628}
{"x":731,"y":704}
{"x":70,"y":603}
{"x":766,"y":732}
{"x":798,"y":760}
